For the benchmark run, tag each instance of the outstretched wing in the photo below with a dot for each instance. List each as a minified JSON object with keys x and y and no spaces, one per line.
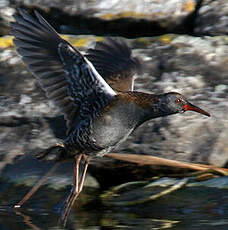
{"x":113,"y":59}
{"x":66,"y":76}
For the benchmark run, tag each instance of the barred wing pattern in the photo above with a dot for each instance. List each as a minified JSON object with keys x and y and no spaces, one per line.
{"x":86,"y":87}
{"x":67,"y":77}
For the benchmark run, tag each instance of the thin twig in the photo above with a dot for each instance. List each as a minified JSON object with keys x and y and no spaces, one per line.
{"x":151,"y":160}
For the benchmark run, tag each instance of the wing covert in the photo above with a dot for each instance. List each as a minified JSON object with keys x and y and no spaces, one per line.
{"x":113,"y":59}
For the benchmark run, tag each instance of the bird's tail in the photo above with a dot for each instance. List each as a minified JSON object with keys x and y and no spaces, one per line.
{"x":55,"y":153}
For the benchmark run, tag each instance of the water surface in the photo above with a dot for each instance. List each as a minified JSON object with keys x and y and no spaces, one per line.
{"x":194,"y":207}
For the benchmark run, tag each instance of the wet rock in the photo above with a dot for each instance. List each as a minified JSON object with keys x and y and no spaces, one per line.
{"x":212,"y":18}
{"x":146,"y":192}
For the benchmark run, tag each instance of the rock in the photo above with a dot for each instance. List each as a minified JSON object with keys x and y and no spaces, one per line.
{"x":145,"y":192}
{"x":126,"y":18}
{"x":166,"y":13}
{"x":22,"y":119}
{"x":212,"y":18}
{"x":114,"y":17}
{"x":5,"y":17}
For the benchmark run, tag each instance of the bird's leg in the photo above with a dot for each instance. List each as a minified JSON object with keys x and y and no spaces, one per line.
{"x":76,"y":176}
{"x":36,"y":186}
{"x":78,"y":185}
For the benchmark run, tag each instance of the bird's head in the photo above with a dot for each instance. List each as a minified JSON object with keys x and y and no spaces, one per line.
{"x":176,"y":103}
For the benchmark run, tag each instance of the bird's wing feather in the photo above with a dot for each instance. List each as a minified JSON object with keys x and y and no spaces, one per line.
{"x":66,"y":76}
{"x":113,"y":59}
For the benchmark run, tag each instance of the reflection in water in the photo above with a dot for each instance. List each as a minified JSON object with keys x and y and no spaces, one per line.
{"x":195,"y":207}
{"x":27,"y":220}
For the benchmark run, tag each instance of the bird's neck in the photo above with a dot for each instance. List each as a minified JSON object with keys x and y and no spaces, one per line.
{"x":149,"y":106}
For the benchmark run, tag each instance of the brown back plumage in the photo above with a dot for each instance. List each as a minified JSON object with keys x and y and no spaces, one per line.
{"x":113,"y":59}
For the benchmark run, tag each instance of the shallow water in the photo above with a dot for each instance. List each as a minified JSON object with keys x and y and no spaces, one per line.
{"x":194,"y":207}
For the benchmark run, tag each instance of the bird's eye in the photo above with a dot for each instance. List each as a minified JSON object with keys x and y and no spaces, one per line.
{"x":178,"y":100}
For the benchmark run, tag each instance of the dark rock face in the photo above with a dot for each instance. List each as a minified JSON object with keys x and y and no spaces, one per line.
{"x":194,"y":66}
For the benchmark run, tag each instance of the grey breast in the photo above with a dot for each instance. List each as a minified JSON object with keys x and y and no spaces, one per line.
{"x":115,"y":125}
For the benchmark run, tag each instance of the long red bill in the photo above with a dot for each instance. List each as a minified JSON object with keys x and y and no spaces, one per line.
{"x":196,"y":109}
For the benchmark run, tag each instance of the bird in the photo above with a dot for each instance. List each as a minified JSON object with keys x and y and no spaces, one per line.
{"x":95,"y":92}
